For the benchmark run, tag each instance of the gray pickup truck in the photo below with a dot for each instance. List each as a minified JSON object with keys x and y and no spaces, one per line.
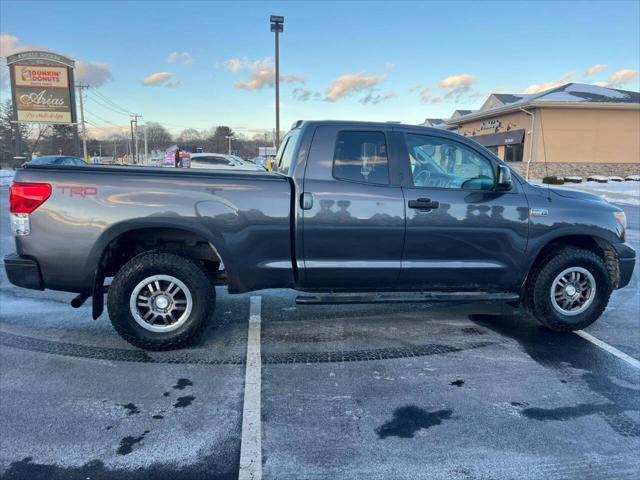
{"x":353,"y":212}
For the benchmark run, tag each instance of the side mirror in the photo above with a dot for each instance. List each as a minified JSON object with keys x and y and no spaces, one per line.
{"x":504,"y":178}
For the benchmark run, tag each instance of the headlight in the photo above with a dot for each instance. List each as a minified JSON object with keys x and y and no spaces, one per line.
{"x":621,"y":219}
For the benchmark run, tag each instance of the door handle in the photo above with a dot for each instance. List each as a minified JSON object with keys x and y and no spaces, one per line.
{"x":306,"y":201}
{"x":423,"y":204}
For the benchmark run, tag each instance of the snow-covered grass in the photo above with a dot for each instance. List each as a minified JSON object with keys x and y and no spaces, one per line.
{"x":6,"y":177}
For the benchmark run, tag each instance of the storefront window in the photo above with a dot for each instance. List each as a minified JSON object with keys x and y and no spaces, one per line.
{"x":513,"y":153}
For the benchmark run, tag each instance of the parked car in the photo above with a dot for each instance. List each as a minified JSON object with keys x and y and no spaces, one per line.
{"x":352,"y":213}
{"x":219,"y":160}
{"x":57,"y":160}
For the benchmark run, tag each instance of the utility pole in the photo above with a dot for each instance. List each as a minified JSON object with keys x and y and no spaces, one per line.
{"x":131,"y":145}
{"x":229,"y":137}
{"x":84,"y":129}
{"x":115,"y":150}
{"x":134,"y":139}
{"x":277,"y":26}
{"x":146,"y":143}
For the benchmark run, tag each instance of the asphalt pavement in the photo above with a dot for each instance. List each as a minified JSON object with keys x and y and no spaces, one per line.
{"x":365,"y":391}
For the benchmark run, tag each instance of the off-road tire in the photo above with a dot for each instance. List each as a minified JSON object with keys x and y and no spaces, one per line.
{"x":159,"y":263}
{"x":537,"y":298}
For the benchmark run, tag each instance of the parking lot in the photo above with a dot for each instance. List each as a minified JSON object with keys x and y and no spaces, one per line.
{"x":369,"y":391}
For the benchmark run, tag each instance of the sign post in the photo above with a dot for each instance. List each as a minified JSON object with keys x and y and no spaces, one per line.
{"x":42,"y":89}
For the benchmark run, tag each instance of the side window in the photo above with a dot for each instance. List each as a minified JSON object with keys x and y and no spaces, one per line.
{"x":219,"y":161}
{"x":283,"y":161}
{"x":361,"y":157}
{"x":440,"y":163}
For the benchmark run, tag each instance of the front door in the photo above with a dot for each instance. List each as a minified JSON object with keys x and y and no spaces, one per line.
{"x":461,"y":232}
{"x":353,"y":218}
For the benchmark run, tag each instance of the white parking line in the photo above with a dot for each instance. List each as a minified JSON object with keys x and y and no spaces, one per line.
{"x":251,"y":440}
{"x":605,"y":346}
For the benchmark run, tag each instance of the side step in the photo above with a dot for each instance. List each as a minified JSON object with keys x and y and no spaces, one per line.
{"x":405,"y":297}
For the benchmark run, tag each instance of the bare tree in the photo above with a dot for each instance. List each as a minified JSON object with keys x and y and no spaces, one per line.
{"x":158,"y":138}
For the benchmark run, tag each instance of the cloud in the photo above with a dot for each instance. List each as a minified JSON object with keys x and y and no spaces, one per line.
{"x":304,"y":95}
{"x":262,"y":73}
{"x":427,"y":97}
{"x":179,"y":57}
{"x":375,"y":99}
{"x":622,"y":77}
{"x":235,"y":64}
{"x":389,"y":66}
{"x":348,"y":84}
{"x":537,"y":88}
{"x":10,"y":44}
{"x":457,"y":81}
{"x":92,"y":73}
{"x":162,"y":79}
{"x":454,"y":88}
{"x":592,"y":70}
{"x":102,"y":133}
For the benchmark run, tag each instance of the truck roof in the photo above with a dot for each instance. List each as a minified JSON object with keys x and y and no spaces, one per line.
{"x":356,"y":123}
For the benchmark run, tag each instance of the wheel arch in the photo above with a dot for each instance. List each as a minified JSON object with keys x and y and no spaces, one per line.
{"x":186,"y":238}
{"x":596,"y":244}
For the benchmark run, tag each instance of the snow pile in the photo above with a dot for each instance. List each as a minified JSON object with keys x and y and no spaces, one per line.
{"x":598,"y":178}
{"x":6,"y":177}
{"x":573,"y":179}
{"x":632,"y":178}
{"x":627,"y":193}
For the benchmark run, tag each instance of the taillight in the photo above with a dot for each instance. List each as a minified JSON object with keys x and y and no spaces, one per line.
{"x":26,"y":197}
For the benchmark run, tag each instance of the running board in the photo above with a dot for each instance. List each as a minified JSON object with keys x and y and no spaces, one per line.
{"x":405,"y":297}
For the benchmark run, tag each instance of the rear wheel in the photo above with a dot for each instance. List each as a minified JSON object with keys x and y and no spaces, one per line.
{"x":569,"y":290}
{"x":160,"y":301}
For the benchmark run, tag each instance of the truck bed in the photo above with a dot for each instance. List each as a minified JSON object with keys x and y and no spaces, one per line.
{"x":243,"y":215}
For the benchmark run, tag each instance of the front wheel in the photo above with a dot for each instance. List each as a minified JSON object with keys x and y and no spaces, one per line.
{"x":569,"y":290}
{"x":160,"y":301}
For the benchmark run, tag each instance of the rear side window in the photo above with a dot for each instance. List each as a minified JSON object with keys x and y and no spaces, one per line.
{"x":285,"y":154}
{"x":361,"y":157}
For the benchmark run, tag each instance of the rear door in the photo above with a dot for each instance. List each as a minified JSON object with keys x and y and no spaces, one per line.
{"x":461,"y":232}
{"x":353,"y":214}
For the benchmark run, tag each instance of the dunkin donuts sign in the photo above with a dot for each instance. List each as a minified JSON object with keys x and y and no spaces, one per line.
{"x":40,"y":76}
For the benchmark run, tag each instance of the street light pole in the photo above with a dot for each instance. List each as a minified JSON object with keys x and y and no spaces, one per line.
{"x":277,"y":26}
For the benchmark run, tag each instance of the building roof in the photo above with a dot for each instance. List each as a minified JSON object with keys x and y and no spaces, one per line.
{"x":565,"y":95}
{"x":433,"y":122}
{"x":459,"y":113}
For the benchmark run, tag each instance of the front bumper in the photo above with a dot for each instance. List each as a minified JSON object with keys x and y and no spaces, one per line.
{"x":23,"y":271}
{"x":626,"y":263}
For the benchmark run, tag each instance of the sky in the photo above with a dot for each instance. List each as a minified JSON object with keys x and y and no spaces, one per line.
{"x":200,"y":64}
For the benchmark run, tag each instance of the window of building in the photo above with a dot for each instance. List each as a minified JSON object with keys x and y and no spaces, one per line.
{"x":440,"y":163}
{"x":513,"y":153}
{"x":361,"y":157}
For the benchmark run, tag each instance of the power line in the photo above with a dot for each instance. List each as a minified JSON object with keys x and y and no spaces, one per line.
{"x":103,"y":119}
{"x":104,"y":105}
{"x":111,"y":102}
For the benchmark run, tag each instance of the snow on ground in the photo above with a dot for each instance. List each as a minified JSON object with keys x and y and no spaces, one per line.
{"x":6,"y":177}
{"x":626,"y":193}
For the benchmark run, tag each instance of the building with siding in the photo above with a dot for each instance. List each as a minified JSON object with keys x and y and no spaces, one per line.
{"x":574,"y":129}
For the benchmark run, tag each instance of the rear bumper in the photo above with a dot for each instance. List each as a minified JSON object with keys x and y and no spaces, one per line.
{"x":626,"y":263}
{"x":23,"y":271}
